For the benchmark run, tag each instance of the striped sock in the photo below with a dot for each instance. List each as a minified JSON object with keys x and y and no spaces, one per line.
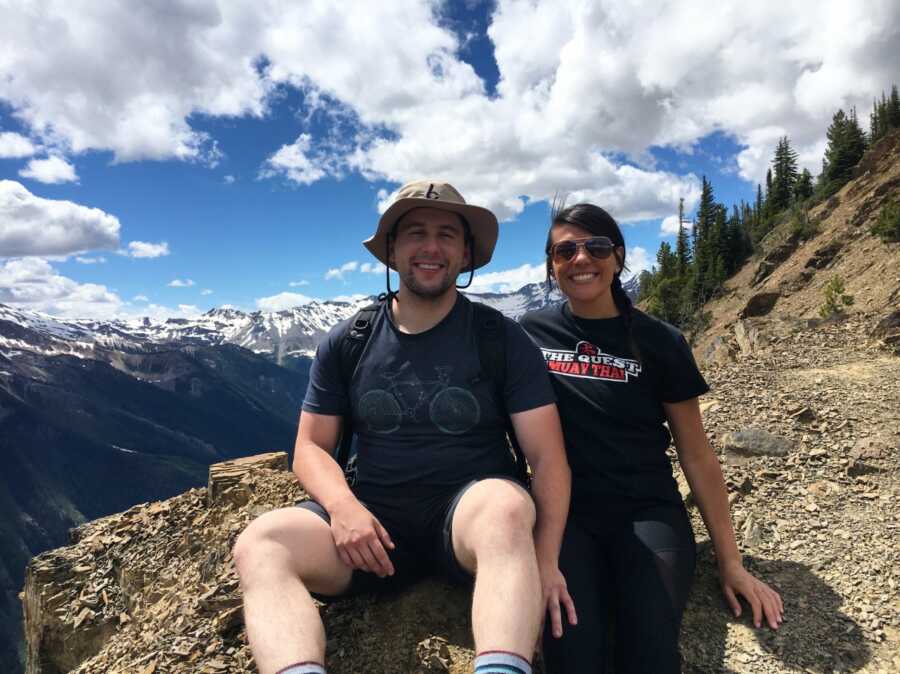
{"x":501,"y":662}
{"x":302,"y":668}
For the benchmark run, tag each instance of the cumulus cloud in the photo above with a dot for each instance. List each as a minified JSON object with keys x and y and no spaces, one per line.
{"x":140,"y":298}
{"x":229,"y":180}
{"x":350,"y":299}
{"x":146,"y":249}
{"x":206,"y":291}
{"x":586,"y":90}
{"x":179,"y":283}
{"x":32,"y":283}
{"x":15,"y":145}
{"x":90,"y":260}
{"x":282,"y":301}
{"x":298,"y":163}
{"x":32,"y":225}
{"x":298,"y":284}
{"x":52,"y":170}
{"x":509,"y":280}
{"x":339,"y":272}
{"x":637,"y":260}
{"x":669,"y":225}
{"x":372,"y":267}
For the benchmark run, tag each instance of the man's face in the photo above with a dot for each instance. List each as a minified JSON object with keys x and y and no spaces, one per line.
{"x":429,"y":251}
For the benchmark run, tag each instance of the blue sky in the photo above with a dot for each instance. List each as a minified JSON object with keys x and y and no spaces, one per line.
{"x":169,"y":159}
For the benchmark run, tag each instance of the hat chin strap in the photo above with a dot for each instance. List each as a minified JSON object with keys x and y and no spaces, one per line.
{"x":470,"y":242}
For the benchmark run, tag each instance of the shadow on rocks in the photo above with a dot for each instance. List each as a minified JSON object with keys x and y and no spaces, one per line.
{"x":816,"y":636}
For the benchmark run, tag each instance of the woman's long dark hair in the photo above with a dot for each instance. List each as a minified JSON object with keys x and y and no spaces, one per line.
{"x":598,"y":222}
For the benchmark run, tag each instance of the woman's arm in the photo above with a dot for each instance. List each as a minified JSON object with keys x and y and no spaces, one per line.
{"x":704,"y":475}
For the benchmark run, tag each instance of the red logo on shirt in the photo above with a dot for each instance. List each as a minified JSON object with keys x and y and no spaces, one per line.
{"x":588,"y":361}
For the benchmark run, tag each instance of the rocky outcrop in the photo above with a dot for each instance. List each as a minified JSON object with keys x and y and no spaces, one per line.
{"x":153,"y":589}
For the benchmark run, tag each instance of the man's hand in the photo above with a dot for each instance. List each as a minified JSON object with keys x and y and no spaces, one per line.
{"x":360,"y":538}
{"x":556,"y":597}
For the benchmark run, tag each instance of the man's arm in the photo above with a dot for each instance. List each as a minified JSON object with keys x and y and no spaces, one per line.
{"x":540,"y":436}
{"x":358,"y":535}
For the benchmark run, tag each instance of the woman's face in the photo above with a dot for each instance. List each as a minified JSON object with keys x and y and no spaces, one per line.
{"x":584,"y":278}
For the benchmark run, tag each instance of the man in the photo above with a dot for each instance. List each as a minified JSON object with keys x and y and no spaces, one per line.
{"x":435,"y":492}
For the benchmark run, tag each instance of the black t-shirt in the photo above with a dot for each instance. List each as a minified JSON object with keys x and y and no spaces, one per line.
{"x":610,"y":404}
{"x":418,"y":412}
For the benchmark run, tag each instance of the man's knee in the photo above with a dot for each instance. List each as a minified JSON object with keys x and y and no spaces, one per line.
{"x":495,"y":513}
{"x":283,"y":538}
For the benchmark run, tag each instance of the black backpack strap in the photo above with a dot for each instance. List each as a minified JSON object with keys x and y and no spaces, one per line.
{"x":352,"y":344}
{"x":490,"y":331}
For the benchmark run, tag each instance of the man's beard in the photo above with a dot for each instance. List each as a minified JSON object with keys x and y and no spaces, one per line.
{"x":430,"y":292}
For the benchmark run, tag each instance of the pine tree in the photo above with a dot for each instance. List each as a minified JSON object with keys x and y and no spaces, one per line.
{"x":846,"y":145}
{"x":706,"y":215}
{"x":893,"y":109}
{"x":682,"y":247}
{"x":785,"y":176}
{"x":803,"y":189}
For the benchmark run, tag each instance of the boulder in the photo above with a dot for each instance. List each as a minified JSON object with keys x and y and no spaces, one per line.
{"x":753,"y":441}
{"x":760,"y":304}
{"x":888,"y":331}
{"x":749,"y":337}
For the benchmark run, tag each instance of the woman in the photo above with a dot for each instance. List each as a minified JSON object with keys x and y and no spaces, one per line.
{"x":620,"y":375}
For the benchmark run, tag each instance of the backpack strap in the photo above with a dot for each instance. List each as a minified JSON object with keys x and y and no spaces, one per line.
{"x":353,"y":343}
{"x":490,"y":331}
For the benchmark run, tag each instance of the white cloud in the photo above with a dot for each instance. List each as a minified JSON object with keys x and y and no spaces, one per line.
{"x":669,"y":225}
{"x":355,"y":297}
{"x":14,"y":145}
{"x":299,"y":164}
{"x":338,"y":272}
{"x":581,"y":85}
{"x":90,"y":260}
{"x":146,"y":249}
{"x":179,"y":283}
{"x":32,"y":225}
{"x":637,"y":260}
{"x":229,"y":180}
{"x":298,"y":284}
{"x":372,"y":268}
{"x":52,"y":170}
{"x":32,"y":283}
{"x":509,"y":280}
{"x":206,"y":291}
{"x":282,"y":301}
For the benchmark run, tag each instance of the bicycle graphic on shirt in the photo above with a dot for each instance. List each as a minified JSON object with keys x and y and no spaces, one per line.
{"x":452,"y":409}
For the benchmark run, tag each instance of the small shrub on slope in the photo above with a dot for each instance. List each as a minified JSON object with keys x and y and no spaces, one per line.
{"x":835,"y":299}
{"x":887,"y":227}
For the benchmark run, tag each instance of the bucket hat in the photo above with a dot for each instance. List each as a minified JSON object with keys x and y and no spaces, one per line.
{"x":436,"y":194}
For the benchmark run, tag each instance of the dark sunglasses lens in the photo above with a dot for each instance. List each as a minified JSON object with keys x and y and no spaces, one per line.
{"x":600,"y":248}
{"x":565,"y":250}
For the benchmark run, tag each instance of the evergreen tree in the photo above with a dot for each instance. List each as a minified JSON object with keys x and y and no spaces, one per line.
{"x":785,"y":176}
{"x":803,"y":189}
{"x":682,"y":247}
{"x":846,"y":145}
{"x":893,"y":109}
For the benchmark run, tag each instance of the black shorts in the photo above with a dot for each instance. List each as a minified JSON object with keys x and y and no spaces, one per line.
{"x":419,"y":520}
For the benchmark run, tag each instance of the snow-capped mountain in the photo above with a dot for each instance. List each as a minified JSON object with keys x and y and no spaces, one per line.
{"x":279,"y":335}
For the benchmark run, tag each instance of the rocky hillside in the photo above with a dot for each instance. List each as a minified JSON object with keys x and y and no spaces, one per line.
{"x":787,"y":281}
{"x":808,"y":432}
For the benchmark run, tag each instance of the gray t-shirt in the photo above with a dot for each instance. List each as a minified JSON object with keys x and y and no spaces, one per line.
{"x":420,"y":412}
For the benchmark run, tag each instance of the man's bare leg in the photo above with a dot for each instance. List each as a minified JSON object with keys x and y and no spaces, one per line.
{"x":493,"y":539}
{"x":280,"y":558}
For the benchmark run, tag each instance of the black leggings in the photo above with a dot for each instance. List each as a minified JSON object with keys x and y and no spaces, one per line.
{"x":638,"y":576}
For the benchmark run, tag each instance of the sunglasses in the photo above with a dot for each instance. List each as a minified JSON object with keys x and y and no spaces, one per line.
{"x":598,"y":247}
